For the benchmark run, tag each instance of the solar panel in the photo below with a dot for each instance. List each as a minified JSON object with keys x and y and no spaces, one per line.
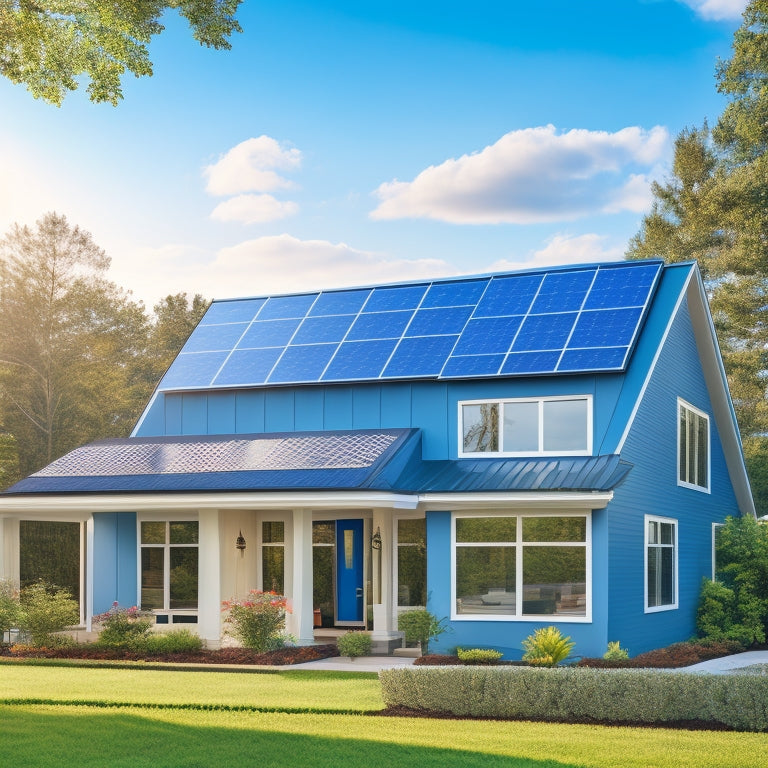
{"x":560,"y":320}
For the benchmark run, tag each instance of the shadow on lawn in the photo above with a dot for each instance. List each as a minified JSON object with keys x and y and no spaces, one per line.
{"x":93,"y":739}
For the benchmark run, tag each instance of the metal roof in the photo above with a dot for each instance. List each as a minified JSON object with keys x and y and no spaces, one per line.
{"x":388,"y":460}
{"x":572,"y":473}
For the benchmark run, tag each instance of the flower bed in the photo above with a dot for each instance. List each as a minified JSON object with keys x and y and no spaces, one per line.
{"x":280,"y":657}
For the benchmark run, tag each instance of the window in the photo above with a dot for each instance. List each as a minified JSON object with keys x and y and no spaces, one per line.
{"x":411,"y":563}
{"x":692,"y":447}
{"x":660,"y":563}
{"x":169,"y":565}
{"x":521,"y":566}
{"x":50,"y":551}
{"x":273,"y":557}
{"x":544,"y":426}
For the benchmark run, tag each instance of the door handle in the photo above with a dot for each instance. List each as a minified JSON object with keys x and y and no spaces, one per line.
{"x":359,"y":592}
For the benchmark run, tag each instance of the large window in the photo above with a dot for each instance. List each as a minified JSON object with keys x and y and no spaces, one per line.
{"x":50,"y":551}
{"x":273,"y":557}
{"x":660,"y":563}
{"x":169,"y":565}
{"x":541,"y":426}
{"x":692,"y":447}
{"x":411,"y":563}
{"x":521,"y":566}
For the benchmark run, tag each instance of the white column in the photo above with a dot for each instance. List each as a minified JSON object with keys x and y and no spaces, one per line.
{"x":384,"y":620}
{"x":89,"y":575}
{"x":209,"y":578}
{"x":299,"y":622}
{"x":9,"y":549}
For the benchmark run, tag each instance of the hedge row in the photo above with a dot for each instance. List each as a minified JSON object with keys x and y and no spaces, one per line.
{"x":581,"y":695}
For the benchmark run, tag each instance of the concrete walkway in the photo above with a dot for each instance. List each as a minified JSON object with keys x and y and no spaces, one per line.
{"x":727,"y":664}
{"x":375,"y":663}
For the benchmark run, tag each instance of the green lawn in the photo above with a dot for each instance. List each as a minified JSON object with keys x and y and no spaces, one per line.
{"x":51,"y":735}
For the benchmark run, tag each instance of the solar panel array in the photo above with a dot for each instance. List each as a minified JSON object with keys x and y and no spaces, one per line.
{"x":583,"y":319}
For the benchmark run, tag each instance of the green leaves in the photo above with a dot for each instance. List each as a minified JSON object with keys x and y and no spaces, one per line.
{"x":50,"y":46}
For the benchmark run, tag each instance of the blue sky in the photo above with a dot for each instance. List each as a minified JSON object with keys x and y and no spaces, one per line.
{"x":347,"y":143}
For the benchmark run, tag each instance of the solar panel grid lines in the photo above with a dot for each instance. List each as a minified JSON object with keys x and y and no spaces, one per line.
{"x":574,"y":319}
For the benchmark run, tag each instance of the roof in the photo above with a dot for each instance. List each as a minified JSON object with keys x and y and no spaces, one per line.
{"x":388,"y":460}
{"x":557,"y":320}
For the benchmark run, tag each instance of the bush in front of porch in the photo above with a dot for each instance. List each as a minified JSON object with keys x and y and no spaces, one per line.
{"x":258,"y":621}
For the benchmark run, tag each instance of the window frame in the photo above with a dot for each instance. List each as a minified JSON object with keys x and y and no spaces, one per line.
{"x":396,"y":544}
{"x":683,"y":405}
{"x":540,"y":401}
{"x":675,"y":547}
{"x":262,"y":545}
{"x":166,"y":610}
{"x":518,"y":545}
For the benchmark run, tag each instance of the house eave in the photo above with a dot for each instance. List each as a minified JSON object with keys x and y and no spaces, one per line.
{"x":550,"y":500}
{"x":81,"y":506}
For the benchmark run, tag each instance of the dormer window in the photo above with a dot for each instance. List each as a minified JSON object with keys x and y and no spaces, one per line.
{"x":544,"y":426}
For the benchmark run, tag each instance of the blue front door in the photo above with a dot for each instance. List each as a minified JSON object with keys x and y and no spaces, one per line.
{"x":349,"y":572}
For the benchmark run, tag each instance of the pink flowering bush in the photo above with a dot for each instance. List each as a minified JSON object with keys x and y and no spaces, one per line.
{"x":258,"y":621}
{"x":123,"y":627}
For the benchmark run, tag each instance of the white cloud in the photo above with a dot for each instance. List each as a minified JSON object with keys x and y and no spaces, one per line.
{"x":565,"y":249}
{"x":253,"y":209}
{"x":252,"y":166}
{"x":531,"y":176}
{"x":718,"y":10}
{"x":273,"y":264}
{"x":283,"y":263}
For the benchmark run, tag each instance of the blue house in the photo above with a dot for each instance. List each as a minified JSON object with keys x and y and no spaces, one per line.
{"x":510,"y":451}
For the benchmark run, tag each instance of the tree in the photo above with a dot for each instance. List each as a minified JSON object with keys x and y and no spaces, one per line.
{"x":49,"y":44}
{"x":175,"y":317}
{"x":714,"y":208}
{"x":69,"y":344}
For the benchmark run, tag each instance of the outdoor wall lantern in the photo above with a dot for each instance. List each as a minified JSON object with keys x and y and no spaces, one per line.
{"x":376,"y":539}
{"x":240,"y":543}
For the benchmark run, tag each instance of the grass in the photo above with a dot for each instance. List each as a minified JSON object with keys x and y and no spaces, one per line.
{"x":51,"y":735}
{"x":298,"y":689}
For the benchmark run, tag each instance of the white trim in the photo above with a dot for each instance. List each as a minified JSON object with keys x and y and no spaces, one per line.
{"x":518,"y":545}
{"x":185,"y":501}
{"x":89,"y":537}
{"x":335,"y":501}
{"x":551,"y":500}
{"x":715,"y":526}
{"x":684,"y":404}
{"x":539,"y":401}
{"x":676,"y":547}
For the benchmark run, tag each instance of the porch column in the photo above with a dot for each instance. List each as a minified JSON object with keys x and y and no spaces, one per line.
{"x":385,"y":634}
{"x":89,"y":536}
{"x":9,"y":549}
{"x":209,"y":578}
{"x":299,"y":622}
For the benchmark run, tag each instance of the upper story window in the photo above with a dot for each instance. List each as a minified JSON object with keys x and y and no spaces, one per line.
{"x":555,"y":426}
{"x":692,"y":447}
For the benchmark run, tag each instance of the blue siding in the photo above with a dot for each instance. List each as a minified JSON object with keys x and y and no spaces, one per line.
{"x":428,"y":405}
{"x":309,"y":409}
{"x":508,"y":636}
{"x":221,"y":414}
{"x":249,"y":412}
{"x":114,"y":560}
{"x":651,"y":488}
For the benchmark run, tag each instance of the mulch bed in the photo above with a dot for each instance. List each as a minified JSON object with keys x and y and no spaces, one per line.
{"x":282,"y":657}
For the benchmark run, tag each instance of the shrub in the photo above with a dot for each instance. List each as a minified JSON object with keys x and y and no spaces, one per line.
{"x":615,"y":652}
{"x":175,"y":641}
{"x":673,"y":656}
{"x":420,"y":626}
{"x":547,"y":647}
{"x":47,"y":609}
{"x":9,"y":607}
{"x":354,"y":644}
{"x":478,"y":655}
{"x":258,"y":622}
{"x":580,"y":695}
{"x":736,"y":607}
{"x":122,"y":627}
